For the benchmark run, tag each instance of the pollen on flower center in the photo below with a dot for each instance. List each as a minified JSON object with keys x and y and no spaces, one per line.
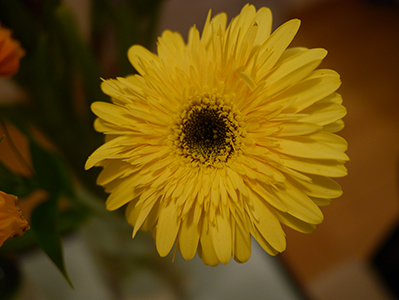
{"x":208,"y":131}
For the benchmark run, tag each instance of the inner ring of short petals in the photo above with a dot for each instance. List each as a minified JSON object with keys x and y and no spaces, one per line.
{"x":208,"y":131}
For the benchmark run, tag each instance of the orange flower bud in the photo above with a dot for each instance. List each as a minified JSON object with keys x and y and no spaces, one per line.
{"x":10,"y":53}
{"x":12,"y":222}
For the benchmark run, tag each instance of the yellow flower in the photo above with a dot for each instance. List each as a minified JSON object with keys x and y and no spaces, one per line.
{"x":12,"y":222}
{"x":10,"y":53}
{"x":222,"y":138}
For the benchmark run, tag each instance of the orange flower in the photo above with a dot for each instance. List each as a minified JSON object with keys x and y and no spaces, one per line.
{"x":12,"y":222}
{"x":10,"y":53}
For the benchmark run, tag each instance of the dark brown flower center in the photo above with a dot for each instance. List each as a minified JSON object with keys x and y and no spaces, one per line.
{"x":208,"y":131}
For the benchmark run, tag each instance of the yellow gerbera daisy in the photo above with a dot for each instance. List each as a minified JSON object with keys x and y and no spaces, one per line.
{"x":222,"y":138}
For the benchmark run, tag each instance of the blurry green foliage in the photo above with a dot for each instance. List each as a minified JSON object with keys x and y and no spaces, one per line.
{"x":61,"y":74}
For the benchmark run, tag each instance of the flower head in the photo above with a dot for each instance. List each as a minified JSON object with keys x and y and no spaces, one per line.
{"x":12,"y":222}
{"x":10,"y":54}
{"x":227,"y":136}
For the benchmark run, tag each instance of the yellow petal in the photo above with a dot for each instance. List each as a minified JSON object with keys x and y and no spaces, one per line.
{"x":321,"y":201}
{"x":268,"y":225}
{"x":124,"y":90}
{"x":290,"y":52}
{"x":112,"y":113}
{"x":321,"y":187}
{"x":295,"y":223}
{"x":188,"y":238}
{"x":207,"y":250}
{"x":221,"y":237}
{"x":115,"y":169}
{"x":152,"y":218}
{"x":263,"y":242}
{"x":262,"y":191}
{"x":124,"y":193}
{"x":329,"y":168}
{"x":237,"y":182}
{"x":242,"y":243}
{"x":132,"y":212}
{"x":334,"y":127}
{"x":111,"y":149}
{"x":324,"y":113}
{"x":171,"y":40}
{"x":167,"y":228}
{"x":142,"y":59}
{"x":294,"y":69}
{"x":333,"y":139}
{"x":264,"y":20}
{"x":146,"y":202}
{"x":275,"y":45}
{"x":299,"y":204}
{"x":217,"y":25}
{"x":240,"y":25}
{"x":318,"y":85}
{"x":296,"y":128}
{"x":311,"y":147}
{"x":248,"y":80}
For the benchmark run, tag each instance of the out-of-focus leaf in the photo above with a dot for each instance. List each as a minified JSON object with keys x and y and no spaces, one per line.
{"x":82,"y":55}
{"x":42,"y":85}
{"x":68,"y":220}
{"x":15,"y":184}
{"x":127,"y":33}
{"x":49,"y":6}
{"x":45,"y":226}
{"x":17,"y":115}
{"x":73,"y":217}
{"x":20,"y":244}
{"x":51,"y":172}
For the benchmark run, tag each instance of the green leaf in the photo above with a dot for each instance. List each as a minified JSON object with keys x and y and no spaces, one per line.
{"x":17,"y":115}
{"x":127,"y":33}
{"x":45,"y":225}
{"x":68,"y":220}
{"x":82,"y":55}
{"x":43,"y":85}
{"x":51,"y":172}
{"x":15,"y":184}
{"x":73,"y":217}
{"x":18,"y":245}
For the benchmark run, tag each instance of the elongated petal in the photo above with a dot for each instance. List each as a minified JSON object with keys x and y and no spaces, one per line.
{"x":300,"y":205}
{"x":269,"y":226}
{"x":311,"y":147}
{"x":142,"y":59}
{"x":275,"y":45}
{"x":316,"y":166}
{"x":188,"y":238}
{"x":207,"y":251}
{"x":294,"y":69}
{"x":168,"y":226}
{"x":221,"y":237}
{"x":242,"y":244}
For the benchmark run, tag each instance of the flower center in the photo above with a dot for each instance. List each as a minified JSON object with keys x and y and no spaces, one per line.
{"x":208,"y":131}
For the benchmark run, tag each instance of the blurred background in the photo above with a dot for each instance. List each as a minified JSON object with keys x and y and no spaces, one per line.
{"x":362,"y":38}
{"x":336,"y":261}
